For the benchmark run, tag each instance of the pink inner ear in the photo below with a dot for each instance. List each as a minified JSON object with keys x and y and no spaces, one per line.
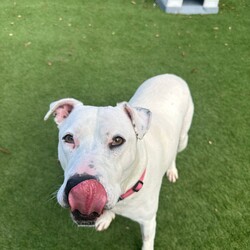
{"x":62,"y":112}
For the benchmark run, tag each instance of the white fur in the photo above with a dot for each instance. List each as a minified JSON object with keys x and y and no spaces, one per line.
{"x":155,"y":124}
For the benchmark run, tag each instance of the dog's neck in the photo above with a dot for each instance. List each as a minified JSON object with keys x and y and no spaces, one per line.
{"x":138,"y":170}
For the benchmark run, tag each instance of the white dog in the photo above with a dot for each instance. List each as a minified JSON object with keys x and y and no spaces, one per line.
{"x":114,"y":158}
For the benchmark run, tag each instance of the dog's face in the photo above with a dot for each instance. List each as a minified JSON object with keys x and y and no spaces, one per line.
{"x":97,"y":149}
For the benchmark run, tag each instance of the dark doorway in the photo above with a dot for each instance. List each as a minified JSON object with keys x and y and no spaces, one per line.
{"x":193,"y":2}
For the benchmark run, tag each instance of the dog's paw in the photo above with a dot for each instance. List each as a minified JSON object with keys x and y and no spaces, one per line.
{"x":172,"y":175}
{"x":103,"y":222}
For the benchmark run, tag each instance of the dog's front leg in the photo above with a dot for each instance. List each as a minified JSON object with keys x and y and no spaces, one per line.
{"x":104,"y":220}
{"x":148,"y":228}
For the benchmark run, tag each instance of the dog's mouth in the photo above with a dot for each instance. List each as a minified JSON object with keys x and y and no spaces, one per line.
{"x":83,"y":220}
{"x":87,"y":201}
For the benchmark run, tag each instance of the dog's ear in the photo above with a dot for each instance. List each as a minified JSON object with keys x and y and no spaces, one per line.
{"x":140,"y":119}
{"x":61,"y":109}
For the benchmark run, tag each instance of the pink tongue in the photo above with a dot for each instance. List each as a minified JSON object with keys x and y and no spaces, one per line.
{"x":88,"y":197}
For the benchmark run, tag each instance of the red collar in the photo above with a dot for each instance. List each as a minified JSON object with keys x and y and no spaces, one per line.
{"x":136,"y":188}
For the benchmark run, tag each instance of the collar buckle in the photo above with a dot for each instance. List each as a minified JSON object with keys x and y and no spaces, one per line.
{"x":138,"y":185}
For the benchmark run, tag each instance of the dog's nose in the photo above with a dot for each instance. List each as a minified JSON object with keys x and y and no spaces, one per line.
{"x":73,"y":181}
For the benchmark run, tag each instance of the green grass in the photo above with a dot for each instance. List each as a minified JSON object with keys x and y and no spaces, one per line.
{"x":99,"y":52}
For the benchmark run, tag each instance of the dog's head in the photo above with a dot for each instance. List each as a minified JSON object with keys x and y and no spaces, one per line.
{"x":98,"y":151}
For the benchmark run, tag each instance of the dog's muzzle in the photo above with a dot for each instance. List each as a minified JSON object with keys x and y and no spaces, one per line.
{"x":86,"y":198}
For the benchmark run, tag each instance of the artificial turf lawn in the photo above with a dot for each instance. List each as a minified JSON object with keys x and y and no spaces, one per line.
{"x":99,"y":52}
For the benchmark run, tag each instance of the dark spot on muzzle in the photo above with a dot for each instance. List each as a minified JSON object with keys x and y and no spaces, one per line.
{"x":73,"y":181}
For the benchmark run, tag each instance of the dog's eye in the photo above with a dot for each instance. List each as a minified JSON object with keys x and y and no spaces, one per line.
{"x":116,"y":142}
{"x":68,"y":138}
